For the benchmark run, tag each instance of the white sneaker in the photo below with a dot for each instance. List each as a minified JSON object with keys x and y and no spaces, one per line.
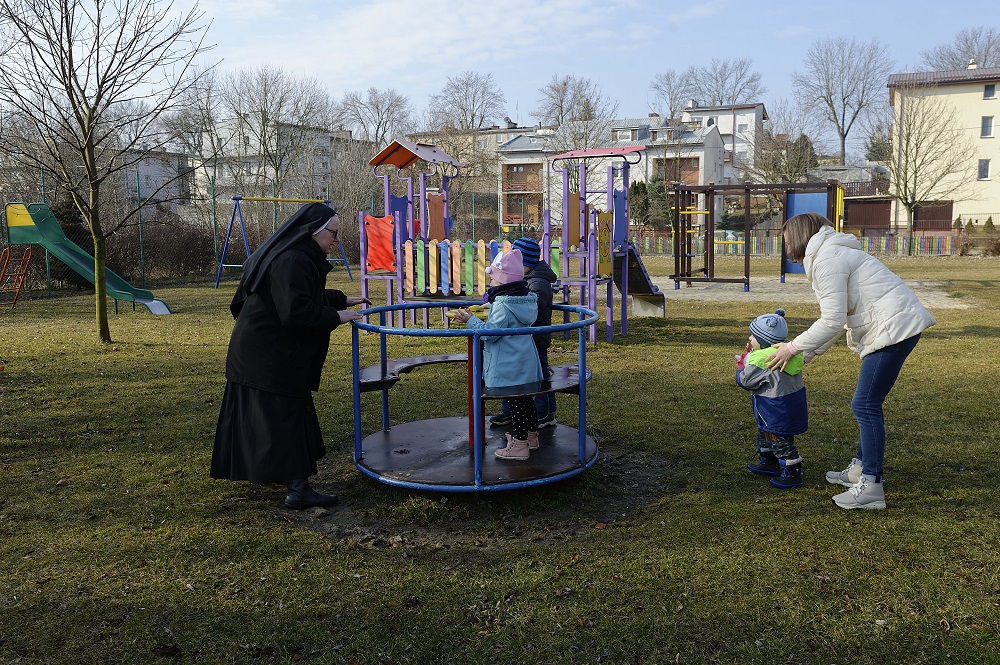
{"x":865,"y":494}
{"x":848,"y":477}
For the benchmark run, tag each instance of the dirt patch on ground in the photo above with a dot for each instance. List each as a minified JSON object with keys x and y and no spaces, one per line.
{"x":795,"y":289}
{"x":611,"y":490}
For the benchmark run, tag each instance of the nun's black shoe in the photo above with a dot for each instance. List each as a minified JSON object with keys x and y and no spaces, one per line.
{"x":301,"y":495}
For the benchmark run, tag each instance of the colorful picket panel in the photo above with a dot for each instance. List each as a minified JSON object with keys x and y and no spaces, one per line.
{"x":421,"y":286}
{"x":481,"y":268}
{"x":408,"y":266}
{"x":453,"y":267}
{"x":432,"y":267}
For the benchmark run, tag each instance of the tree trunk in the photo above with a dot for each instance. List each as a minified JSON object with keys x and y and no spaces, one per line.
{"x":100,"y":272}
{"x":910,"y":216}
{"x":101,"y":289}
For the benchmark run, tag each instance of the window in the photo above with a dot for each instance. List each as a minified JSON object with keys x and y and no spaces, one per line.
{"x":990,"y":91}
{"x":987,"y":127}
{"x":623,"y":134}
{"x":742,"y":127}
{"x":984,"y":169}
{"x":712,"y":121}
{"x":501,"y":138}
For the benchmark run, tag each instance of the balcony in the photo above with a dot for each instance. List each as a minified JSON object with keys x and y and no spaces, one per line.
{"x":521,"y":185}
{"x":873,"y":188}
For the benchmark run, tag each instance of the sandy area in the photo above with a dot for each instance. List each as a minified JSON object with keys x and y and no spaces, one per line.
{"x":795,"y":289}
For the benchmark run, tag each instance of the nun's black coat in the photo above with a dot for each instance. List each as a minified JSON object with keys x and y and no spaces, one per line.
{"x":268,"y":430}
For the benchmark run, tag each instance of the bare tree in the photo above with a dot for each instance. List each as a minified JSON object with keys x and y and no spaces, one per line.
{"x":580,"y":111}
{"x":196,"y":126}
{"x":378,"y":116}
{"x":843,"y":79}
{"x":671,"y":92}
{"x":726,"y":82}
{"x":572,"y":98}
{"x":784,"y":151}
{"x":471,"y":100}
{"x":278,"y":123}
{"x":929,"y":159}
{"x":82,"y":84}
{"x":980,"y":44}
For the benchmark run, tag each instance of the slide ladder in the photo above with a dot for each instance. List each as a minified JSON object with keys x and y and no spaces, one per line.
{"x":13,"y":270}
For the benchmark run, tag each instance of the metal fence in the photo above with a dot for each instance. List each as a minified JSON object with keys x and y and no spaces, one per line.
{"x":769,"y":244}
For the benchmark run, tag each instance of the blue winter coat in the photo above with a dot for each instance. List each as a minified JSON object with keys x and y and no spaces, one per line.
{"x":779,"y":397}
{"x":509,"y":360}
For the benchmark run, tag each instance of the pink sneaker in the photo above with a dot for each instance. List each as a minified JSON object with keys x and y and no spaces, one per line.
{"x":517,"y":449}
{"x":532,"y":440}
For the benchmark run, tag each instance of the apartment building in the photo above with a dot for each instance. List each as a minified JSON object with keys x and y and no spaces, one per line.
{"x":740,"y":125}
{"x":967,"y":109}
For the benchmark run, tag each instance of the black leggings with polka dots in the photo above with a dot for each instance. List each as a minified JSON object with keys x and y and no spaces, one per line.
{"x":523,"y":416}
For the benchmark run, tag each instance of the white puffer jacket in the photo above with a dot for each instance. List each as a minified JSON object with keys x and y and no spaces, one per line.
{"x":858,"y":294}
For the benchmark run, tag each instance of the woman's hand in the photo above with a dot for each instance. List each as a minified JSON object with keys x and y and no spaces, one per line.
{"x":351,"y":302}
{"x":349,"y":315}
{"x":785,"y":352}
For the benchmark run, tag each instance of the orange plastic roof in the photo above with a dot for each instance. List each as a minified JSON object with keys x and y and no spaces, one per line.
{"x":402,"y":154}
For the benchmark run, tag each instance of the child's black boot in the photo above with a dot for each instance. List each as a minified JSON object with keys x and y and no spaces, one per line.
{"x":767,"y":465}
{"x":791,"y":474}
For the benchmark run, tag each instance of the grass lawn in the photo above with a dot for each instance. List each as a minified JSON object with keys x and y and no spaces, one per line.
{"x":116,"y":546}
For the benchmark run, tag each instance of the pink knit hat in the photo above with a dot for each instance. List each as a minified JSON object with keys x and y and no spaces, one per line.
{"x":507,"y":267}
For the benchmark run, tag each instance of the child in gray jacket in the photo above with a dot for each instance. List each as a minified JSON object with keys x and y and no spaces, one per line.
{"x":779,"y":401}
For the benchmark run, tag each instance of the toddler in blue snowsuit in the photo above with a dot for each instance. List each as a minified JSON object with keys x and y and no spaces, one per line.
{"x":779,"y":401}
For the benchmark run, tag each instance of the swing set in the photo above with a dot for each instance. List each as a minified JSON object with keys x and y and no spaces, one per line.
{"x":238,"y":214}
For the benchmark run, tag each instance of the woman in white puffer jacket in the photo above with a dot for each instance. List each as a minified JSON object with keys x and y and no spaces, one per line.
{"x":883,"y":319}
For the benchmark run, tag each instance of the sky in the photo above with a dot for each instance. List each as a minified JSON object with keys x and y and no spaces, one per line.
{"x":413,"y":46}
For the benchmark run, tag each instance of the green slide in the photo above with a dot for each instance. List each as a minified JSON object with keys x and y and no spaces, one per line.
{"x":34,"y":223}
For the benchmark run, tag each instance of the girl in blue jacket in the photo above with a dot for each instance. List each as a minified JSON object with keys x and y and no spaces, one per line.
{"x":510,"y":360}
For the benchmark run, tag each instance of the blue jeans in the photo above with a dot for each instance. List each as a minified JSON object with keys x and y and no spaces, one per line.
{"x":879,"y":371}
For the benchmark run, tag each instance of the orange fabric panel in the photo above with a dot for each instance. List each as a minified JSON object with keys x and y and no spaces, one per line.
{"x":381,"y":254}
{"x":435,"y":211}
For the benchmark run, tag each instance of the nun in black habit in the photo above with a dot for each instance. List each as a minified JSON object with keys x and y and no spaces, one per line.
{"x":268,"y":430}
